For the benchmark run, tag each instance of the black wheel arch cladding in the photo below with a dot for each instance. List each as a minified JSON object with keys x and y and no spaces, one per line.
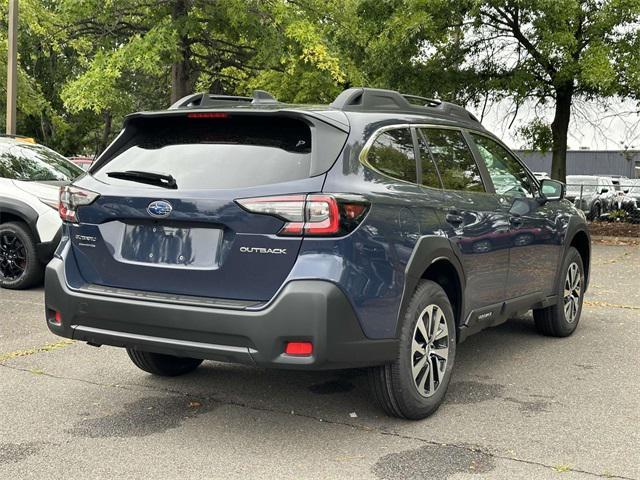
{"x":11,"y":209}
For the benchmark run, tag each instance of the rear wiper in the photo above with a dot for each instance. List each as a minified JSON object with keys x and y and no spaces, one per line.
{"x":150,"y":178}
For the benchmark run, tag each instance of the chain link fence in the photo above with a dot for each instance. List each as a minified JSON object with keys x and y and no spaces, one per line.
{"x":619,"y":203}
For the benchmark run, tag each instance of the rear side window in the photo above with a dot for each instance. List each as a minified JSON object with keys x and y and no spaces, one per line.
{"x":392,"y":153}
{"x":430,"y":177}
{"x":508,"y":175}
{"x":458,"y":170}
{"x":215,"y":152}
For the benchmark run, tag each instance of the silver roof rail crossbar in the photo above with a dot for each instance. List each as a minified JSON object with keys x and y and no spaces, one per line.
{"x":210,"y":100}
{"x":422,"y":101}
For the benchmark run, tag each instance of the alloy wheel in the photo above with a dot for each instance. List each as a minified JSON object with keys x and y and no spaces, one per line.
{"x":430,"y":350}
{"x":13,"y":256}
{"x":572,"y":291}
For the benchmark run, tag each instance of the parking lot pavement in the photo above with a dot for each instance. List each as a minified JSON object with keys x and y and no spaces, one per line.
{"x":520,"y":406}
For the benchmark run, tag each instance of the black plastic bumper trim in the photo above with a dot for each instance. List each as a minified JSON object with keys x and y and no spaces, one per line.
{"x":304,"y":310}
{"x":45,"y":250}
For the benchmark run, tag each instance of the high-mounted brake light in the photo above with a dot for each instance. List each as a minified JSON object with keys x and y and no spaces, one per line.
{"x":70,"y":199}
{"x":312,"y":215}
{"x":208,"y":115}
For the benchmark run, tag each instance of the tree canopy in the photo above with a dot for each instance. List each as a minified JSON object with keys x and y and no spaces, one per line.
{"x":85,"y":65}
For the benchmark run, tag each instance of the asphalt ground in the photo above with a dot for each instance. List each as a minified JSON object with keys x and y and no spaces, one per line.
{"x":520,"y":406}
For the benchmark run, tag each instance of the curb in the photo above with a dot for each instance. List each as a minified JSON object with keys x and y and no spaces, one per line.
{"x":608,"y":239}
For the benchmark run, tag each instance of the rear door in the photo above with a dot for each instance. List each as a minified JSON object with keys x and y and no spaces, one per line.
{"x":195,"y":239}
{"x":534,"y":227}
{"x":473,"y":221}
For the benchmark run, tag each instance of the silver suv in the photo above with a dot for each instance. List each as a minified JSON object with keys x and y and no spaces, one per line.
{"x":595,"y":195}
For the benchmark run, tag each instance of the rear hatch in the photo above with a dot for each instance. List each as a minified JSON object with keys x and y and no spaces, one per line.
{"x":189,"y":236}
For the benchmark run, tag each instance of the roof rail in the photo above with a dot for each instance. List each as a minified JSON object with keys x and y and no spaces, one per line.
{"x":379,"y":100}
{"x":210,"y":100}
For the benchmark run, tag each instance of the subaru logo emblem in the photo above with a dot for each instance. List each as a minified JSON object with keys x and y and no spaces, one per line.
{"x":159,"y":209}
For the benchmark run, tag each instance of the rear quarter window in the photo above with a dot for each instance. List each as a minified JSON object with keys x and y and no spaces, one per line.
{"x":392,"y":153}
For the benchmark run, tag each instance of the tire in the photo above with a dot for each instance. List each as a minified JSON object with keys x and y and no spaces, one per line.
{"x":554,"y":321}
{"x":393,"y":386}
{"x":163,"y":365}
{"x":596,"y":212}
{"x":18,"y":256}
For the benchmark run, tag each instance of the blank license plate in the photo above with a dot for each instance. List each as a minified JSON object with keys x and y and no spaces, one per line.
{"x":171,"y":246}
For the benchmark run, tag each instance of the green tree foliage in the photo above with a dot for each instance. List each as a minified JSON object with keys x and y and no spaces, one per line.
{"x":85,"y":64}
{"x":541,"y":51}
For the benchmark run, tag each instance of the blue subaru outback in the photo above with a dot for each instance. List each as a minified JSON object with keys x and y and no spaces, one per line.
{"x":378,"y":231}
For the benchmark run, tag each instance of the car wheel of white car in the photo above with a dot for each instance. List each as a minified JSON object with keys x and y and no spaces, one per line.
{"x":19,"y":265}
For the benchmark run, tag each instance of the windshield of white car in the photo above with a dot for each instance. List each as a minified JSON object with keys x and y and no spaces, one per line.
{"x":37,"y":163}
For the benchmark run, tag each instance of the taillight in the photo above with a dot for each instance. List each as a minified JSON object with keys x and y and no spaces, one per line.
{"x":314,"y":214}
{"x":70,"y":199}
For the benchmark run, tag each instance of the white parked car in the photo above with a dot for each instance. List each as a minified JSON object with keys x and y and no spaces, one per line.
{"x":30,"y":178}
{"x":541,"y":175}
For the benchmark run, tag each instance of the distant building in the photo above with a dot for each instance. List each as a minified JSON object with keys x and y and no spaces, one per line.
{"x":588,"y":162}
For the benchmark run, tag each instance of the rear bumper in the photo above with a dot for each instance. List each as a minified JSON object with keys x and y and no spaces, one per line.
{"x":45,"y":250}
{"x":306,"y":310}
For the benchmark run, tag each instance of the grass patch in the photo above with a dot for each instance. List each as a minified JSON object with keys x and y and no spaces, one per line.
{"x":562,"y":468}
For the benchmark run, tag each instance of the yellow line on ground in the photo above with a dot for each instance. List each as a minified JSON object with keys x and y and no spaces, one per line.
{"x":47,"y":347}
{"x":596,"y":303}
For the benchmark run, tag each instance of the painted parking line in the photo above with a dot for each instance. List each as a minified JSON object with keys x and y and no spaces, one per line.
{"x":47,"y":347}
{"x":597,"y":303}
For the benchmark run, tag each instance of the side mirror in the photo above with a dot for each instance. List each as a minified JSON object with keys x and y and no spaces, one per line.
{"x":552,"y":189}
{"x":604,"y":190}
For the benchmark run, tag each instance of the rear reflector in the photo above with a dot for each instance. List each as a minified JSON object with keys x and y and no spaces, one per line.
{"x":55,"y":317}
{"x":298,"y":348}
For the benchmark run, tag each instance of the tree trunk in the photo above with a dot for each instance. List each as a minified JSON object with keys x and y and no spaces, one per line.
{"x":181,"y":71}
{"x":106,"y":132}
{"x":559,"y":131}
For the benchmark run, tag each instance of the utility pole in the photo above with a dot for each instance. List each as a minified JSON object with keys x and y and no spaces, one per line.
{"x":12,"y":67}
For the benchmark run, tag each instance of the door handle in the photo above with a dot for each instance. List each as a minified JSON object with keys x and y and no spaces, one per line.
{"x":515,"y":220}
{"x":453,"y":217}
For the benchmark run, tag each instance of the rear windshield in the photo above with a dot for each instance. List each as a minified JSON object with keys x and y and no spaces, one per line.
{"x":223,"y":152}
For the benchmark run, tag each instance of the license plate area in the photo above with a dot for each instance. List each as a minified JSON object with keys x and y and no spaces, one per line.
{"x":171,"y":246}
